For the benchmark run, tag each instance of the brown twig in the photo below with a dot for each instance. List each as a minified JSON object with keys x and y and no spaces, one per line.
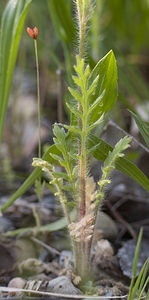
{"x":52,"y":251}
{"x":121,"y":220}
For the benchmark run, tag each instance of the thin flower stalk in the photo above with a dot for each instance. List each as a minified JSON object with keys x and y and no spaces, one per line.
{"x":34,"y":34}
{"x":38,"y":96}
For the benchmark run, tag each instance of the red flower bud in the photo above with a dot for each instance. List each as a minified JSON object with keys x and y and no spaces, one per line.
{"x":33,"y":32}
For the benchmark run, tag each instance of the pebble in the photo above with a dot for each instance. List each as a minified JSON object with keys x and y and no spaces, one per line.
{"x":106,"y":225}
{"x":126,"y":255}
{"x":65,"y":254}
{"x":62,"y":285}
{"x":5,"y":225}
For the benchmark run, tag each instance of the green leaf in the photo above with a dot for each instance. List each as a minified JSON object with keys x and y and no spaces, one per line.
{"x":61,"y":175}
{"x":143,"y":127}
{"x":107,"y":70}
{"x":75,"y":94}
{"x":109,"y":163}
{"x":74,"y":110}
{"x":122,"y":164}
{"x":67,"y":188}
{"x":92,"y":87}
{"x":73,"y":129}
{"x":11,"y":29}
{"x":79,"y":67}
{"x":97,"y":123}
{"x":122,"y":145}
{"x":77,"y":80}
{"x":59,"y":159}
{"x":59,"y":133}
{"x":98,"y":101}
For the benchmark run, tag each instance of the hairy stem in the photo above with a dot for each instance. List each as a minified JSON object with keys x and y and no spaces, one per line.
{"x":83,"y":165}
{"x":82,"y":20}
{"x":82,"y":10}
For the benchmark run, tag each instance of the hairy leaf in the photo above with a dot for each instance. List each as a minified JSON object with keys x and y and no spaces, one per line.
{"x":109,"y":163}
{"x":122,"y":164}
{"x":117,"y":151}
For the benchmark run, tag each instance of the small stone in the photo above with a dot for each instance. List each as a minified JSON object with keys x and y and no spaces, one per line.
{"x":126,"y":255}
{"x":17,"y":282}
{"x":5,"y":225}
{"x":62,"y":285}
{"x":65,"y":254}
{"x":106,"y":225}
{"x":103,"y":250}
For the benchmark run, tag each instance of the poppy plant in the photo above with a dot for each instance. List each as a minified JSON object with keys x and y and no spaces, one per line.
{"x":33,"y":32}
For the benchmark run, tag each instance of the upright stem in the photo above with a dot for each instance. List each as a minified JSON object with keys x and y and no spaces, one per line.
{"x":83,"y":9}
{"x":82,"y":164}
{"x":82,"y":26}
{"x":38,"y":96}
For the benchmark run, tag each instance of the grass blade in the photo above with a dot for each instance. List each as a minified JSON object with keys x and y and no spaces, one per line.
{"x":133,"y":289}
{"x":11,"y":29}
{"x":143,"y":282}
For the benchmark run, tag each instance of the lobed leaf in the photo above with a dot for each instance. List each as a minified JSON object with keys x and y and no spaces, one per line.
{"x":59,"y":133}
{"x":76,"y":80}
{"x":122,"y":145}
{"x":77,"y":96}
{"x":74,"y":110}
{"x":122,"y":164}
{"x":61,"y":175}
{"x":59,"y":159}
{"x":74,"y":129}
